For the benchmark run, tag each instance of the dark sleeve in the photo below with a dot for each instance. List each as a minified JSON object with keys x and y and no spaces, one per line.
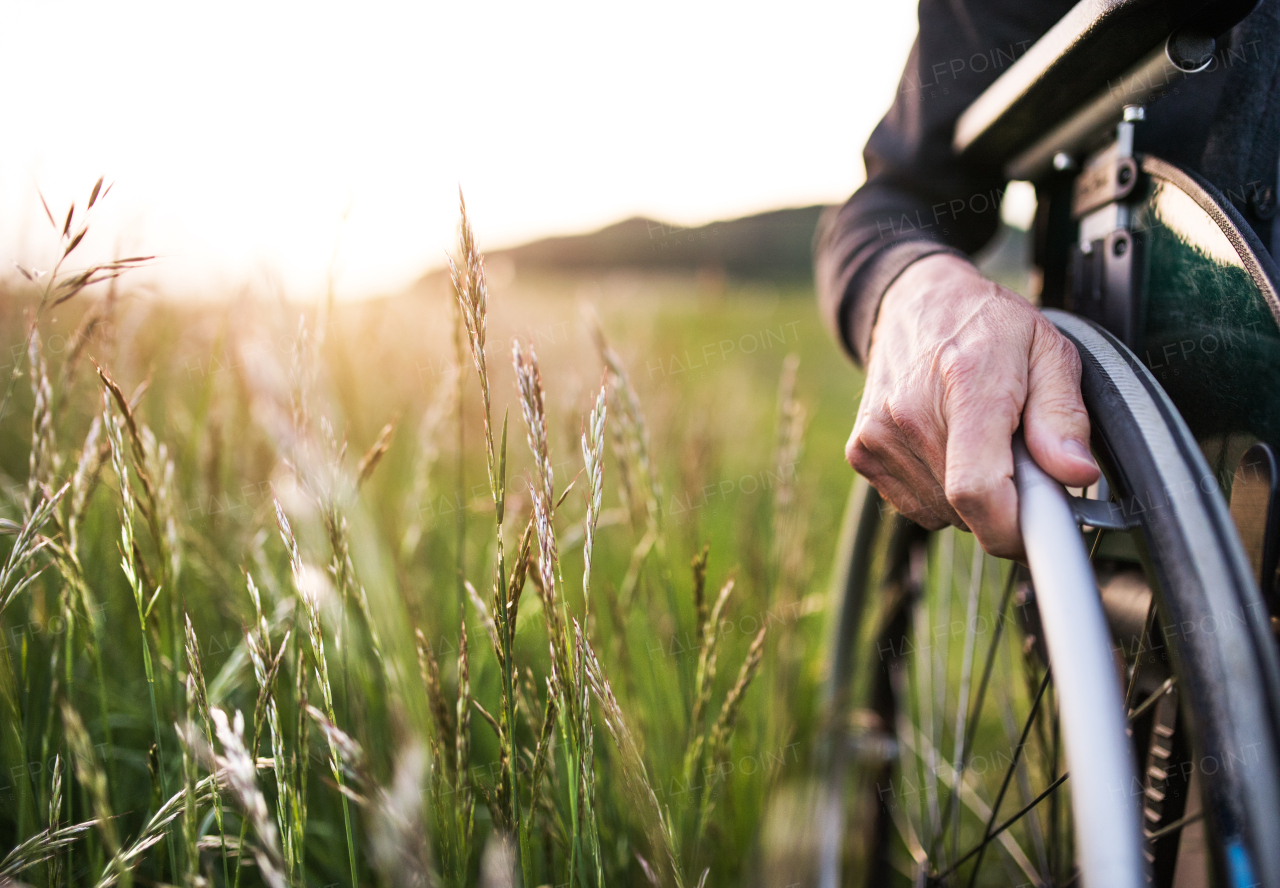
{"x":919,"y":199}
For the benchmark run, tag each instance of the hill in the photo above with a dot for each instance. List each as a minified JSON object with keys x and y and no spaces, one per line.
{"x":774,"y":245}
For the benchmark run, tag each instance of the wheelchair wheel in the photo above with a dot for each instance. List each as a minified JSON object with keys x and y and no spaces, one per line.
{"x":949,"y":732}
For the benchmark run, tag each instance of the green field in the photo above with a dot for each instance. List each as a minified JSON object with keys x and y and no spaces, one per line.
{"x":682,"y":758}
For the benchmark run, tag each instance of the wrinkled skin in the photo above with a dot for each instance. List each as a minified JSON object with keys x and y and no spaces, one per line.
{"x":957,"y":363}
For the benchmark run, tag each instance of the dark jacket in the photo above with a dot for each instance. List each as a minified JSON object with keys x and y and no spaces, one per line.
{"x":920,"y":199}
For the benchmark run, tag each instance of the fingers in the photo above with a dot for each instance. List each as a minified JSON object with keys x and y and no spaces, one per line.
{"x":1054,"y":421}
{"x":880,"y":452}
{"x":979,"y":475}
{"x":905,"y":500}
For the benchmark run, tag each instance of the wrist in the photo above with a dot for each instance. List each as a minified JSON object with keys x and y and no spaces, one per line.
{"x":927,"y":291}
{"x":928,"y":273}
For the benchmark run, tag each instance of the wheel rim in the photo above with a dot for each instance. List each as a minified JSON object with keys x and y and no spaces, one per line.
{"x":1012,"y":820}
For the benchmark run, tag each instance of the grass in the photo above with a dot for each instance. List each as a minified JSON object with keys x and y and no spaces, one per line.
{"x":474,"y":585}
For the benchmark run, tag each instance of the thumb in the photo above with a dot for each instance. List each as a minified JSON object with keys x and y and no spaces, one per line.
{"x":1054,"y":420}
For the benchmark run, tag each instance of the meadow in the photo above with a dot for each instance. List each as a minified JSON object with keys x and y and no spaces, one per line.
{"x":515,"y":578}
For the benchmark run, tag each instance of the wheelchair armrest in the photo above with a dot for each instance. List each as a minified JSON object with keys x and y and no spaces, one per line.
{"x":1094,"y":43}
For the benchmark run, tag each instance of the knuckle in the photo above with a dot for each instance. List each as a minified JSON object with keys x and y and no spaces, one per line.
{"x":910,"y":420}
{"x":967,"y":492}
{"x":861,"y":459}
{"x":864,"y":452}
{"x":958,"y":366}
{"x":929,"y":521}
{"x":1057,"y":348}
{"x":992,"y":388}
{"x":1070,"y":358}
{"x":875,"y":438}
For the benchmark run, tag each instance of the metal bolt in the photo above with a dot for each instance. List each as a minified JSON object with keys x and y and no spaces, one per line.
{"x":1190,"y":50}
{"x":1124,"y":175}
{"x":1121,"y":246}
{"x":1134,"y":112}
{"x":1062,"y":161}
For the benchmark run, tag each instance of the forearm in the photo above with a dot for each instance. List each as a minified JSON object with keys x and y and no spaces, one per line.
{"x":853,"y":269}
{"x":919,"y":198}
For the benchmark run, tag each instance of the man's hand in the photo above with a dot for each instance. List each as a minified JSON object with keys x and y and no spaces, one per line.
{"x":956,"y":364}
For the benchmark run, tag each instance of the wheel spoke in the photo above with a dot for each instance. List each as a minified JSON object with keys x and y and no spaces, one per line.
{"x":907,"y":832}
{"x":1022,"y":812}
{"x":1176,"y":825}
{"x":1023,"y":776}
{"x":1148,"y":627}
{"x":1097,"y":541}
{"x":970,"y":723}
{"x":904,"y":726}
{"x":1154,"y":697}
{"x":930,"y":827}
{"x":924,"y":706}
{"x":1000,"y":830}
{"x":971,"y":800}
{"x":1055,"y":808}
{"x":976,"y":710}
{"x":1008,"y":774}
{"x":966,"y":672}
{"x":945,"y":592}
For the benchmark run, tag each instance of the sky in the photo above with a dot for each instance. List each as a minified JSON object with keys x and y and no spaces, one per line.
{"x":278,"y":145}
